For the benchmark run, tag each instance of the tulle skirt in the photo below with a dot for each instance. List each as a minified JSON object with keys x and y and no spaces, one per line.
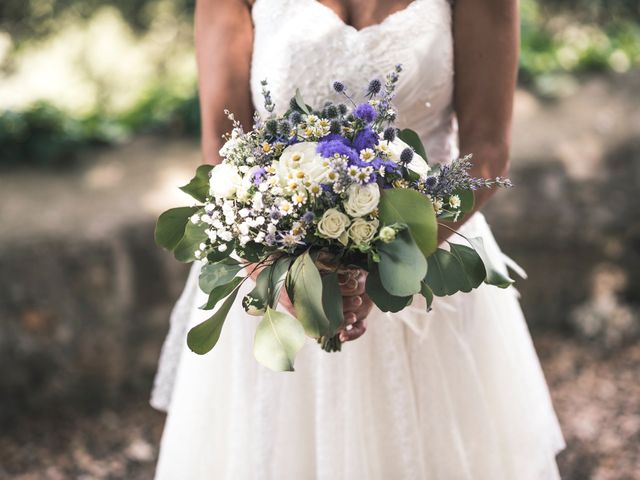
{"x":456,"y":393}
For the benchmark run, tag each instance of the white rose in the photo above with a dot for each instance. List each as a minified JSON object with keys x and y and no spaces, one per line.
{"x":302,"y":157}
{"x":361,"y":231}
{"x":387,"y":234}
{"x":333,"y":224}
{"x":417,"y":163}
{"x":362,"y":199}
{"x":224,"y":181}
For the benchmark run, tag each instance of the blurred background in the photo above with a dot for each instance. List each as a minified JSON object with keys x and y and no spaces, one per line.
{"x":99,"y":125}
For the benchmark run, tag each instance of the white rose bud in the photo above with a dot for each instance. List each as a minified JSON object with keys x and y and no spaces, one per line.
{"x":224,"y":181}
{"x":333,"y":224}
{"x":362,"y":231}
{"x":362,"y":199}
{"x":387,"y":234}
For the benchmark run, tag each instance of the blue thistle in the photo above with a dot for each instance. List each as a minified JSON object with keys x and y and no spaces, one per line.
{"x":339,"y":87}
{"x":406,"y":156}
{"x":389,"y":134}
{"x":374,"y":88}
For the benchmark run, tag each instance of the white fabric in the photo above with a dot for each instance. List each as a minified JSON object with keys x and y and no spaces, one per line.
{"x":457,"y":393}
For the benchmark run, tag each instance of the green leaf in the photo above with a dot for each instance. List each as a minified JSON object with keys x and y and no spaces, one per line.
{"x":198,"y":187}
{"x":306,"y":283}
{"x":203,"y":337}
{"x":301,"y":103}
{"x":460,"y":270}
{"x":220,"y":292}
{"x":332,"y":301}
{"x":398,"y":205}
{"x":279,"y":337}
{"x":213,"y":275}
{"x":277,"y":277}
{"x":427,"y":293}
{"x":193,"y":236}
{"x":494,"y":276}
{"x":412,"y":139}
{"x":171,"y":224}
{"x":383,"y":299}
{"x":402,"y":265}
{"x":259,"y":296}
{"x":446,"y":275}
{"x":471,"y":263}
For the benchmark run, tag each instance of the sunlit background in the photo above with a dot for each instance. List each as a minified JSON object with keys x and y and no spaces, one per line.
{"x":99,"y":125}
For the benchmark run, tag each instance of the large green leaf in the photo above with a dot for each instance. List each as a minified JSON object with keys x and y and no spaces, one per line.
{"x":305,"y":282}
{"x":171,"y":224}
{"x":220,"y":292}
{"x":277,"y":276}
{"x":203,"y":337}
{"x":332,"y":301}
{"x":412,"y":139}
{"x":193,"y":236}
{"x":279,"y":337}
{"x":467,"y":199}
{"x":402,"y":265}
{"x":383,"y":299}
{"x":446,"y":274}
{"x":400,"y":205}
{"x":494,"y":276}
{"x":198,"y":187}
{"x":471,"y":263}
{"x":213,"y":275}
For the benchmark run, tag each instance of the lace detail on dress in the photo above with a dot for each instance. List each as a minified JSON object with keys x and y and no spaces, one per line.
{"x":317,"y":47}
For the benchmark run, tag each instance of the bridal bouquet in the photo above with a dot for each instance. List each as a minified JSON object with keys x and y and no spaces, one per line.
{"x":313,"y":192}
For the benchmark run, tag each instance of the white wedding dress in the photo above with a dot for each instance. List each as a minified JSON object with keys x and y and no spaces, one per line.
{"x":457,"y":393}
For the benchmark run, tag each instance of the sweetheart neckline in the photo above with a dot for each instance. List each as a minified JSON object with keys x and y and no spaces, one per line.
{"x":353,"y":29}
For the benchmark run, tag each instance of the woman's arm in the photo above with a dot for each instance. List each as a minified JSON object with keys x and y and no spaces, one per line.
{"x":486,"y":44}
{"x":224,"y":39}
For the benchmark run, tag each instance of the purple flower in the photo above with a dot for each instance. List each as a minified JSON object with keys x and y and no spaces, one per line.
{"x":258,"y":176}
{"x":365,"y":112}
{"x":366,"y":138}
{"x":308,"y":217}
{"x":330,"y":148}
{"x":334,"y":136}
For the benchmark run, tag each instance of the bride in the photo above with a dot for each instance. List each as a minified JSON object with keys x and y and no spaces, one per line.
{"x":457,"y":393}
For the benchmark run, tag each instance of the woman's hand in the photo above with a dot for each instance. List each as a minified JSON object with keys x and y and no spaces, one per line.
{"x":356,"y":305}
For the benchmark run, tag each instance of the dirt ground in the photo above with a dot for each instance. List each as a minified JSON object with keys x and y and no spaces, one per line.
{"x":597,"y":398}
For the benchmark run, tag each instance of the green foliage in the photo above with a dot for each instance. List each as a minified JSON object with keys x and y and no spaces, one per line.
{"x":379,"y":295}
{"x":198,"y":187}
{"x":214,"y":275}
{"x":171,"y":225}
{"x":402,"y":265}
{"x":203,"y":337}
{"x":409,"y":207}
{"x":279,"y":337}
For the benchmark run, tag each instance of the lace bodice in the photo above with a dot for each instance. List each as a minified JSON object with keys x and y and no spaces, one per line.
{"x":305,"y":44}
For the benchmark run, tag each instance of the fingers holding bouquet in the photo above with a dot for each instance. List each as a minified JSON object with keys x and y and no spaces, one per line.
{"x":356,"y":305}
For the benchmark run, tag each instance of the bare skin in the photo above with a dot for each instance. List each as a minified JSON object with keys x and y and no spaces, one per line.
{"x":486,"y":38}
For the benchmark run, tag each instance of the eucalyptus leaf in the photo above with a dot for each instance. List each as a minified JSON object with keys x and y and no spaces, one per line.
{"x":203,"y":337}
{"x":402,"y":265}
{"x":213,"y":275}
{"x":412,"y":139}
{"x":259,"y":296}
{"x":279,"y":337}
{"x":471,"y":263}
{"x":220,"y":292}
{"x":305,"y":281}
{"x":409,"y":207}
{"x":446,"y":275}
{"x":383,"y":299}
{"x":193,"y":236}
{"x":217,"y":255}
{"x":171,"y":225}
{"x":198,"y":187}
{"x":332,"y":301}
{"x":494,"y":276}
{"x":467,"y":200}
{"x":277,"y":276}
